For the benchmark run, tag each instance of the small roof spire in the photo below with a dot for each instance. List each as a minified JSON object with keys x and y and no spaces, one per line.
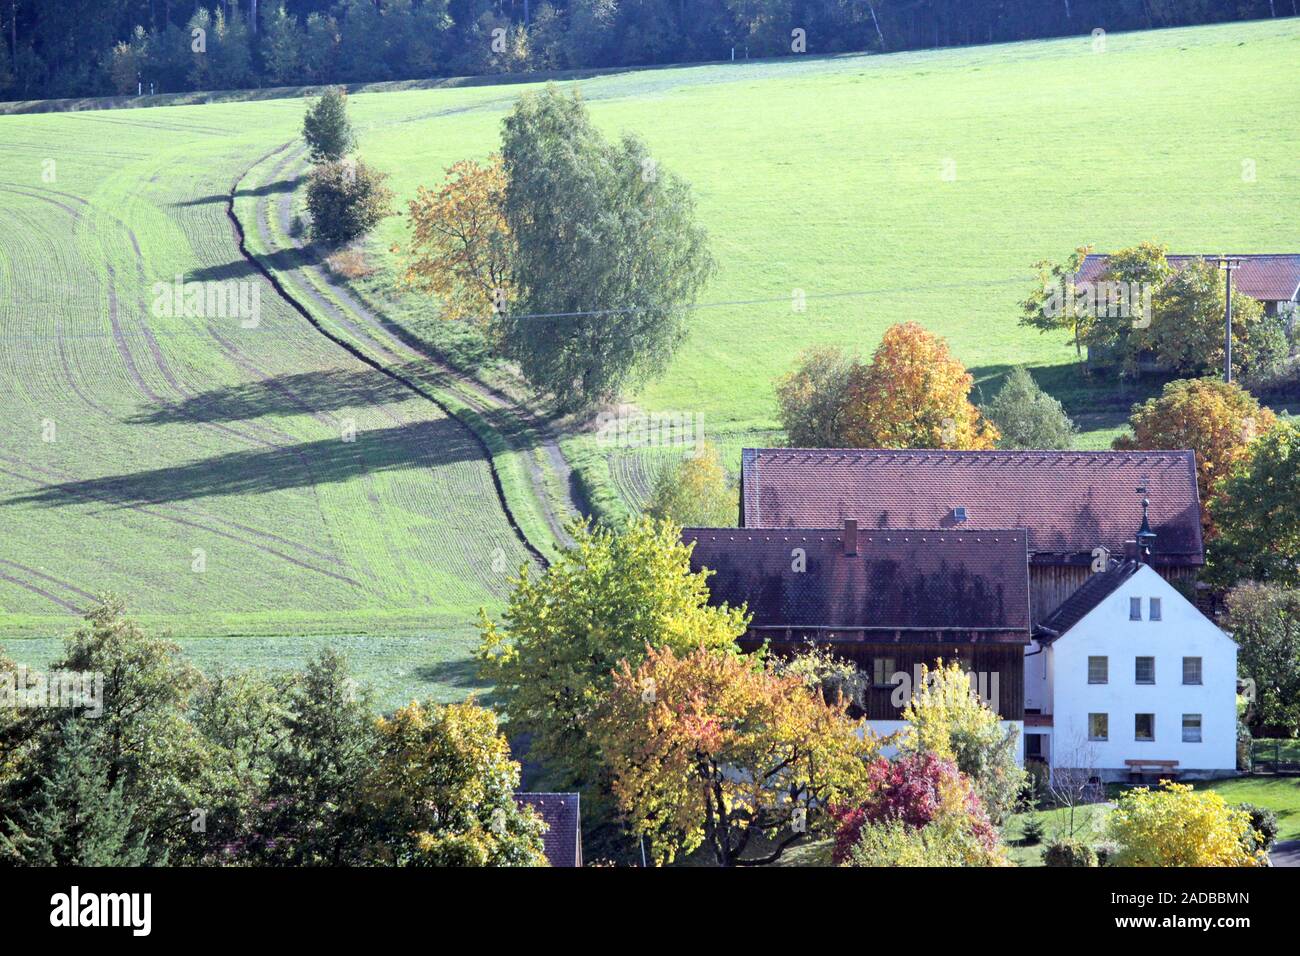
{"x":1146,"y":538}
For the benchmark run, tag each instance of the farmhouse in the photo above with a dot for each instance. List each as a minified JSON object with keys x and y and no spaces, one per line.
{"x":889,"y":601}
{"x":1030,"y":569}
{"x":1071,"y":503}
{"x":562,"y":842}
{"x":1273,"y":279}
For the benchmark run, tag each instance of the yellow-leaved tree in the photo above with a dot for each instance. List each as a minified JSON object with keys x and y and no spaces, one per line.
{"x":695,"y":491}
{"x":716,"y":749}
{"x":459,"y":248}
{"x":1179,"y":826}
{"x":914,"y":394}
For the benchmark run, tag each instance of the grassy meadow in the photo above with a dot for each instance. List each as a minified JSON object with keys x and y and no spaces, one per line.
{"x":202,"y":468}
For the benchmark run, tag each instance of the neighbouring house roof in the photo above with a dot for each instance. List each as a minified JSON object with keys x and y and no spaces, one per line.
{"x":1082,"y":602}
{"x":936,"y":584}
{"x":560,"y":812}
{"x":1268,"y":277}
{"x":1070,"y":502}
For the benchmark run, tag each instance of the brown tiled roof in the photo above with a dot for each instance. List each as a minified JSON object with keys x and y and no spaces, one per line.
{"x":1069,"y":501}
{"x":1269,"y":277}
{"x":563,"y":825}
{"x":974,"y":582}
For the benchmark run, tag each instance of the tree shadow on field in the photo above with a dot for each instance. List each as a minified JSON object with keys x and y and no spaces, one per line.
{"x":281,"y":259}
{"x":461,"y":674}
{"x":285,"y":395}
{"x":426,"y":444}
{"x":266,"y":189}
{"x":1099,"y":400}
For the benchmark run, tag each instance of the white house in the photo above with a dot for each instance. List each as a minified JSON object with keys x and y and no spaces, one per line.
{"x":1128,"y":675}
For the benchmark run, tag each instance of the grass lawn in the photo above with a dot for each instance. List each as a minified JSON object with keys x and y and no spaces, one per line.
{"x":1280,"y":794}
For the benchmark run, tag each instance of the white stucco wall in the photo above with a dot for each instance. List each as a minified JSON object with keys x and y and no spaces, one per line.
{"x":1108,"y":632}
{"x":1037,"y":693}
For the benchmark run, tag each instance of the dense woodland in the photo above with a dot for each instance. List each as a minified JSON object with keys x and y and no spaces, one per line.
{"x":61,"y":48}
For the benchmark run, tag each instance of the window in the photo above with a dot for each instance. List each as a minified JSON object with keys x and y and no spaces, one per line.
{"x":1098,"y":670}
{"x":1155,"y":610}
{"x":1099,"y":726}
{"x":1135,"y":609}
{"x":1145,"y":670}
{"x":1191,"y":728}
{"x":1144,"y":726}
{"x":1191,"y":670}
{"x":1033,"y":746}
{"x":883,"y":669}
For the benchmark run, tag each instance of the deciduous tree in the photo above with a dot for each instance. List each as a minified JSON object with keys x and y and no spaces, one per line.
{"x":460,"y":247}
{"x":1215,"y":419}
{"x":812,"y":398}
{"x":1026,"y":416}
{"x":710,"y":748}
{"x":695,"y":491}
{"x":326,"y":127}
{"x":914,"y":394}
{"x":1264,"y":620}
{"x":346,"y":199}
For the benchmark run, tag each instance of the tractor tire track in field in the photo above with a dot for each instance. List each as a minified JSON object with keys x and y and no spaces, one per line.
{"x":482,"y":399}
{"x":183,"y":518}
{"x":57,"y":582}
{"x":138,"y":381}
{"x":241,"y":243}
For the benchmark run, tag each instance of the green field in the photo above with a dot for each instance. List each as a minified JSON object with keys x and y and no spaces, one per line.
{"x":824,"y":175}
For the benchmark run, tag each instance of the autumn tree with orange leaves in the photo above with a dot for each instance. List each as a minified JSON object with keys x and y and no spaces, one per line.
{"x":1216,"y":420}
{"x":460,"y":245}
{"x":714,"y":749}
{"x":914,"y":394}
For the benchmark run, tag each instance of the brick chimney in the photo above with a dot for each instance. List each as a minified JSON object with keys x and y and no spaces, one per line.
{"x":850,"y":536}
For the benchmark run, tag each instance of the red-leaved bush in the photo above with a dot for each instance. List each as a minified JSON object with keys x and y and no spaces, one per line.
{"x":910,"y":789}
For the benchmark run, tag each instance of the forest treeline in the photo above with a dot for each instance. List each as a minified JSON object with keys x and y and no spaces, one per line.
{"x":63,"y":48}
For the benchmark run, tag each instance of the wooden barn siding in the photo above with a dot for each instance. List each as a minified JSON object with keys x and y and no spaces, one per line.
{"x":1007,"y":660}
{"x":1051,"y":584}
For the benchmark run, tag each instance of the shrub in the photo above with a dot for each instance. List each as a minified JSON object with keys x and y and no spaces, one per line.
{"x":1106,"y":853}
{"x":1027,"y":416}
{"x":1069,"y":852}
{"x":1034,"y":830}
{"x":326,"y":127}
{"x":1264,"y":822}
{"x":346,"y":200}
{"x":695,"y":492}
{"x":894,"y":843}
{"x":1179,"y":826}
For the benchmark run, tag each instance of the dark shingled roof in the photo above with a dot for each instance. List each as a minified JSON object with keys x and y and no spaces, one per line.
{"x":563,"y":822}
{"x":1070,"y":502}
{"x":1268,"y":277}
{"x":927,"y":581}
{"x":1079,"y":604}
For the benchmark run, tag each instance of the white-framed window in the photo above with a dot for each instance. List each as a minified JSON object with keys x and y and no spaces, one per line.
{"x":882,"y":671}
{"x":1144,"y":726}
{"x":1099,"y":726}
{"x":1135,"y":609}
{"x":1154,"y":614}
{"x":1191,"y":728}
{"x":1098,"y":670}
{"x":1144,"y":670}
{"x":1191,"y":670}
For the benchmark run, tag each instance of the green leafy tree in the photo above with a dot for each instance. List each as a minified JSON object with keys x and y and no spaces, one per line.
{"x":612,"y":595}
{"x":1048,"y":308}
{"x":327,"y":128}
{"x":1256,"y":514}
{"x":812,"y":398}
{"x":695,"y":491}
{"x":282,"y":41}
{"x":441,"y":792}
{"x":319,"y":47}
{"x":346,"y":199}
{"x":1264,"y":620}
{"x":232,"y":53}
{"x":1027,"y":416}
{"x":609,"y":257}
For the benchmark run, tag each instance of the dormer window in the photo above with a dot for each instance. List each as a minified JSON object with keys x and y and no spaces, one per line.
{"x":959,"y":514}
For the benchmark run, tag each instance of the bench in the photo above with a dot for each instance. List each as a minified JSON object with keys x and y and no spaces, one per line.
{"x":1137,"y":768}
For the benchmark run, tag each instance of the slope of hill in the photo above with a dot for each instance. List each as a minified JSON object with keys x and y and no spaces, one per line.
{"x":206,"y":469}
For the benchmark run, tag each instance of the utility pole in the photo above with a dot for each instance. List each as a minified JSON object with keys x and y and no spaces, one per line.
{"x":1229,"y":266}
